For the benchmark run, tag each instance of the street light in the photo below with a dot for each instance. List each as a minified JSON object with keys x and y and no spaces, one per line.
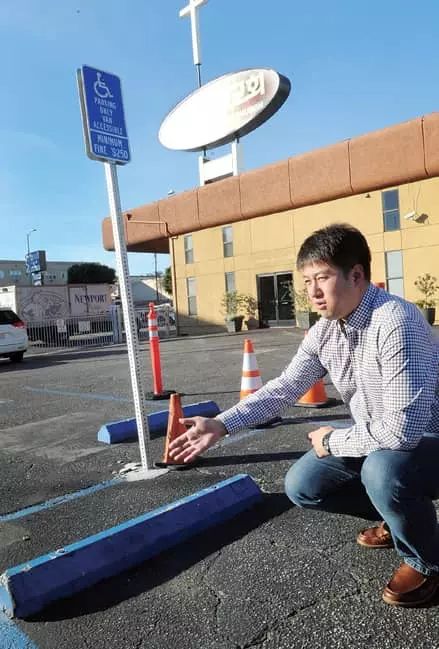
{"x":156,"y":279}
{"x":28,"y":252}
{"x":27,"y":237}
{"x":171,"y":192}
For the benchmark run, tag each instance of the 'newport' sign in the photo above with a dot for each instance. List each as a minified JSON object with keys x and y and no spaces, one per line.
{"x":228,"y":107}
{"x":91,"y":299}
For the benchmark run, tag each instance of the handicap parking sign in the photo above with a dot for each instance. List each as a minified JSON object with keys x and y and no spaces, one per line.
{"x":103,"y":116}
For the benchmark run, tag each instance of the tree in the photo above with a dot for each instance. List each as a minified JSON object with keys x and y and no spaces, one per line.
{"x":427,"y":286}
{"x":91,"y":273}
{"x":167,"y":280}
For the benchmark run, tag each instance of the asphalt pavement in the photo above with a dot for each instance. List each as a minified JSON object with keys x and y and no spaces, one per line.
{"x":275,"y":577}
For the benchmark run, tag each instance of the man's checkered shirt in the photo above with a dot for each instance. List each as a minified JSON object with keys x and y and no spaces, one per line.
{"x":384,"y":362}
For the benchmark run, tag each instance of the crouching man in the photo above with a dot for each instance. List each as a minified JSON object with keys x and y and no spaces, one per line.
{"x":383,"y":358}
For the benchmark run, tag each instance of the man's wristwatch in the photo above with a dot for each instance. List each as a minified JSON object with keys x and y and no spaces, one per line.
{"x":325,"y":442}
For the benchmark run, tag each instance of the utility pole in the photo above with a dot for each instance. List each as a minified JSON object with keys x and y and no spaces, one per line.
{"x":156,"y":278}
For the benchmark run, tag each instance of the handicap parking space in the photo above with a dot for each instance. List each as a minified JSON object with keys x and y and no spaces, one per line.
{"x":272,"y":576}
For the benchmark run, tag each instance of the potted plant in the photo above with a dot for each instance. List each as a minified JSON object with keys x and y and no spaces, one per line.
{"x":305,"y":316}
{"x":232,"y":303}
{"x":251,"y":307}
{"x":427,"y":286}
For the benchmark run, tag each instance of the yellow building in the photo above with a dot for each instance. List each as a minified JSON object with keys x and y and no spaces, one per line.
{"x":243,"y":233}
{"x":257,"y":256}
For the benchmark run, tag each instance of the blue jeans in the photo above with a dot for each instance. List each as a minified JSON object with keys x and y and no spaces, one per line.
{"x":395,"y":486}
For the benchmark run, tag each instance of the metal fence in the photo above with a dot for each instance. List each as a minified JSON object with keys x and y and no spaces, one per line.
{"x":165,"y":321}
{"x":72,"y":332}
{"x":96,"y":330}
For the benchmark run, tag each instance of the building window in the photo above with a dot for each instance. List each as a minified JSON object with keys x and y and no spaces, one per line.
{"x":15,"y":273}
{"x":390,"y":203}
{"x":230,"y":282}
{"x":394,"y":273}
{"x":188,"y":249}
{"x":228,"y":241}
{"x":2,"y":274}
{"x":191,"y":296}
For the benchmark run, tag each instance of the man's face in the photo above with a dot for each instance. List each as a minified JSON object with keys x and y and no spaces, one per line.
{"x":331,"y":293}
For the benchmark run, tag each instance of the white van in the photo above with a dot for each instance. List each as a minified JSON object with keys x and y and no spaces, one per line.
{"x":13,"y":336}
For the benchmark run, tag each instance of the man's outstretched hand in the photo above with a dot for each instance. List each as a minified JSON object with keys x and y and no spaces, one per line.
{"x":202,"y":434}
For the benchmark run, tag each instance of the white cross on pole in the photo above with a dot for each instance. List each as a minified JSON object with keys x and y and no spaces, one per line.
{"x":192,"y":10}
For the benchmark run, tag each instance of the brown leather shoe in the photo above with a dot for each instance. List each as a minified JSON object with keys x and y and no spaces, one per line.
{"x":376,"y":537}
{"x":408,"y":587}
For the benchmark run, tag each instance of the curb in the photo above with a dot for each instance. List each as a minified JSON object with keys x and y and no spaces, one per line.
{"x":27,"y":588}
{"x":126,"y":429}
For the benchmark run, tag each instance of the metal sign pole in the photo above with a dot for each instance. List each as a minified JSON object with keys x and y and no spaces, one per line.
{"x":192,"y":10}
{"x":106,"y":140}
{"x":128,"y":313}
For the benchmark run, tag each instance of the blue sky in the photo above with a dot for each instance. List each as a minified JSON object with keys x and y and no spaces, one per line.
{"x":354,"y":67}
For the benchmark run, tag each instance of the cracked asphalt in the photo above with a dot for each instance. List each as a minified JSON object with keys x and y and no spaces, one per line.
{"x":275,"y":577}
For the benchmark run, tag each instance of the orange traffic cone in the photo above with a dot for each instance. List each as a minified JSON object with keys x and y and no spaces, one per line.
{"x":251,"y":379}
{"x":316,"y":396}
{"x":175,"y":429}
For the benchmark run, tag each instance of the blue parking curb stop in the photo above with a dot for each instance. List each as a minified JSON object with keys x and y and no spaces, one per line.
{"x":126,"y":429}
{"x":29,"y":587}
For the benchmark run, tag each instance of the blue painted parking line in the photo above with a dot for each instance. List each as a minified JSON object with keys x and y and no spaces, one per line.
{"x":301,"y":420}
{"x":334,"y":424}
{"x":85,"y":395}
{"x":11,"y":637}
{"x":5,"y":518}
{"x":239,"y":436}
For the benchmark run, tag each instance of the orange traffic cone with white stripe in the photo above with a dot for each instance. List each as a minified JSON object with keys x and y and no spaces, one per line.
{"x":251,"y":379}
{"x":175,"y":429}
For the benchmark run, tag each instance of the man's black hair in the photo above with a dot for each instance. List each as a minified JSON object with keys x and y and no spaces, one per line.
{"x":340,"y":245}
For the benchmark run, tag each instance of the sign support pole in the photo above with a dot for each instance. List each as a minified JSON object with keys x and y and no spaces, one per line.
{"x":128,"y":313}
{"x":235,"y":167}
{"x":106,"y":140}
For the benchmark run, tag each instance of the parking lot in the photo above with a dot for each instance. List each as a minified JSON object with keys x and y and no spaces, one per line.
{"x":274,"y":577}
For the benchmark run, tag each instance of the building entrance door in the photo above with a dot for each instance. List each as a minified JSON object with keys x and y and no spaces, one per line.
{"x":274,"y":297}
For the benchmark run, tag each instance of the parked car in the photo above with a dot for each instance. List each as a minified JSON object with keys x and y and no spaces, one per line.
{"x":13,"y":336}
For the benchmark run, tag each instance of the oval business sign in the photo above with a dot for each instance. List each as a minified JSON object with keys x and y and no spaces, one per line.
{"x":222,"y":110}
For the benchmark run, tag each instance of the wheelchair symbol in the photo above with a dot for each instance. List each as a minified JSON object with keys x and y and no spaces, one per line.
{"x":101,"y":88}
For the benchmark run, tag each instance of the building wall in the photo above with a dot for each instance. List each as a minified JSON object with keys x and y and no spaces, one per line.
{"x":146,"y":290}
{"x":402,"y":153}
{"x":269,"y":244}
{"x":13,"y":271}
